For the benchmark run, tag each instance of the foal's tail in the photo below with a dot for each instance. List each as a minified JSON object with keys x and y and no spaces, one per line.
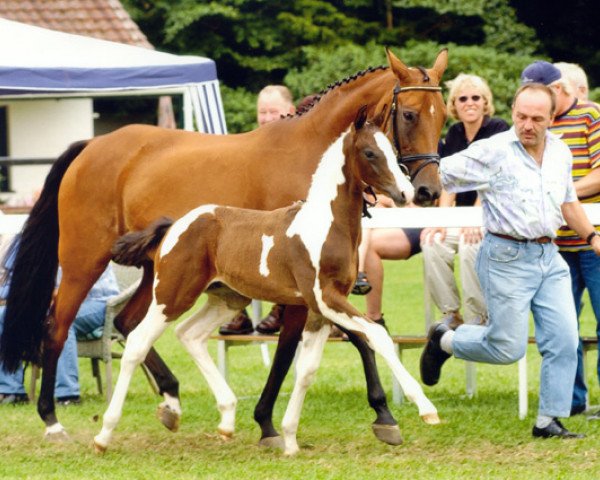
{"x":132,"y":249}
{"x":32,"y":275}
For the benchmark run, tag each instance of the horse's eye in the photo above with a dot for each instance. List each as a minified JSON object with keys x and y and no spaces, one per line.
{"x":409,"y":116}
{"x":370,"y":154}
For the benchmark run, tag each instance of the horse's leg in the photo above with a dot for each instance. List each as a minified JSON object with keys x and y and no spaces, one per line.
{"x":193,"y":334}
{"x":169,"y":411}
{"x":136,"y":348}
{"x":294,"y":319}
{"x":71,"y":293}
{"x":385,"y":426}
{"x":337,"y":309}
{"x":309,"y":358}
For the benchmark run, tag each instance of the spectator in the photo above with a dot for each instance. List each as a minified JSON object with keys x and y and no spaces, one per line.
{"x":575,"y":75}
{"x":523,"y":178}
{"x":578,"y":123}
{"x":88,"y":323}
{"x":470,"y":101}
{"x":274,"y":102}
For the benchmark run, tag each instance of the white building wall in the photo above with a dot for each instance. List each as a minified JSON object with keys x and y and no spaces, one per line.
{"x":43,"y":129}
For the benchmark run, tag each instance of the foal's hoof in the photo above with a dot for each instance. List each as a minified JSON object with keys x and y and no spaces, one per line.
{"x":389,"y":434}
{"x":272,"y":442}
{"x":99,"y":449}
{"x":431,"y":418}
{"x":224,"y":435}
{"x":57,"y":437}
{"x":168,"y":417}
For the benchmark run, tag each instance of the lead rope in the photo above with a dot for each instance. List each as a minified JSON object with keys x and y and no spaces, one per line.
{"x":366,"y":204}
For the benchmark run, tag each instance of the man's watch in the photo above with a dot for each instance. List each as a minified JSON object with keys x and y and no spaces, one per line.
{"x":589,"y":238}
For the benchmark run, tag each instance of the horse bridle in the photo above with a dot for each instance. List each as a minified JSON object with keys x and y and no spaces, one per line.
{"x":403,"y":161}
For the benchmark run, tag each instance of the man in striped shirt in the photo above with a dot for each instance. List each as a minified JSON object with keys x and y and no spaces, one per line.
{"x":577,"y":122}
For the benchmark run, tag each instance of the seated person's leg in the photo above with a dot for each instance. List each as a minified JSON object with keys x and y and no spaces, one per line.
{"x":475,"y":308}
{"x":11,"y":384}
{"x":386,"y":244}
{"x":362,"y":285}
{"x":67,"y":372}
{"x":438,"y":265}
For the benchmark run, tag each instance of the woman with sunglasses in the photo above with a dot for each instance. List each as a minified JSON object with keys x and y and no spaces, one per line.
{"x":471,"y":103}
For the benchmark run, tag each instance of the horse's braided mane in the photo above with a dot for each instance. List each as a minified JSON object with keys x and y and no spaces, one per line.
{"x":335,"y":85}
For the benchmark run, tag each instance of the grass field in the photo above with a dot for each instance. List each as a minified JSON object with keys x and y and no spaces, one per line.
{"x":479,"y":438}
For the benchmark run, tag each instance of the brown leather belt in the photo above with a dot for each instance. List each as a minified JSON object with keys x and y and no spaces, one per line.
{"x":523,"y":240}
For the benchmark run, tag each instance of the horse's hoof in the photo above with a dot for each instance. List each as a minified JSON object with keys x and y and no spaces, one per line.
{"x":168,"y":417}
{"x":272,"y":442}
{"x":57,"y":437}
{"x":99,"y":449}
{"x":431,"y":418}
{"x":389,"y":434}
{"x":226,"y":436}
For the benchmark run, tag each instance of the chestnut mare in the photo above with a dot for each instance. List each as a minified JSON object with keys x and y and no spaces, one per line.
{"x":304,"y":254}
{"x":101,"y":189}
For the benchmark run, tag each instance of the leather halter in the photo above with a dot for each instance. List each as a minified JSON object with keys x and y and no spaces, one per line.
{"x":406,"y":159}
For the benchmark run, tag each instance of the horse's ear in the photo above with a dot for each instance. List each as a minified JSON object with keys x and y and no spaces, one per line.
{"x":361,"y":118}
{"x":441,"y":63}
{"x":379,"y":120}
{"x":399,"y":69}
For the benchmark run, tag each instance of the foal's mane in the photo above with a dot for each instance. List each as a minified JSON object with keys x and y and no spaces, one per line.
{"x":333,"y":86}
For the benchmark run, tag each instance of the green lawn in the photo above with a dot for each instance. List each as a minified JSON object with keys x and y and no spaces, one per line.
{"x":479,"y":438}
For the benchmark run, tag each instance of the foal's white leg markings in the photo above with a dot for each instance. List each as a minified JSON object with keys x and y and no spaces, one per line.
{"x":309,"y":359}
{"x":137,"y":346}
{"x":267,"y":245}
{"x":193,"y":333}
{"x":380,"y":341}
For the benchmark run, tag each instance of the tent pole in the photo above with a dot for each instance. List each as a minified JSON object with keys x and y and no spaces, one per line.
{"x":188,"y":111}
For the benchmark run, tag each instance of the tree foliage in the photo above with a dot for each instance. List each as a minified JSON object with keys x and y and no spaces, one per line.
{"x":308,"y":44}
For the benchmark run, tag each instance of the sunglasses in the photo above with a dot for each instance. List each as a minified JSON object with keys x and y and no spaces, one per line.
{"x":464,"y":98}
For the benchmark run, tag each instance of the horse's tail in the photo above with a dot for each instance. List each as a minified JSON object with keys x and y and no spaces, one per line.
{"x":32,"y":275}
{"x":133,"y":248}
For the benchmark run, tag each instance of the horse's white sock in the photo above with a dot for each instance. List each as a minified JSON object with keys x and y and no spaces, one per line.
{"x":446,"y":342}
{"x":543,"y":421}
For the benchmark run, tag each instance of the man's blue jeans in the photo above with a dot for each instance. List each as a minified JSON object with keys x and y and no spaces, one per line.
{"x":517,"y":278}
{"x":585,"y":273}
{"x":90,"y":316}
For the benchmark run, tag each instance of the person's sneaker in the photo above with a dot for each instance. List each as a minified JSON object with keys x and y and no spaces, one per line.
{"x":66,"y":401}
{"x":433,"y":357}
{"x":362,"y":285}
{"x":240,"y":325}
{"x":13,"y":398}
{"x":273,"y":322}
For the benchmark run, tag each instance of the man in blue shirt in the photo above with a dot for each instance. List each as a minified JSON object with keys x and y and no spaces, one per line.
{"x":523,"y":177}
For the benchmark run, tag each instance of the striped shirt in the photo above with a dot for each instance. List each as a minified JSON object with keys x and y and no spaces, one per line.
{"x":579,"y":128}
{"x":519,"y":197}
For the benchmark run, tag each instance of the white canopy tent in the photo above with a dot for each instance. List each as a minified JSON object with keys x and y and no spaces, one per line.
{"x":38,"y":63}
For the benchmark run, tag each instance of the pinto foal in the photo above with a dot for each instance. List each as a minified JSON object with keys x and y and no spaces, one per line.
{"x":304,"y":254}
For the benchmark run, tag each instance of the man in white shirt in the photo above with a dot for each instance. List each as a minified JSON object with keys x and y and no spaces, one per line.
{"x":523,"y":177}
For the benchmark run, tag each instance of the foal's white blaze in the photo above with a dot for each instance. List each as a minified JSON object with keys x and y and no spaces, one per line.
{"x":267,"y":245}
{"x":181,"y":225}
{"x":402,"y":182}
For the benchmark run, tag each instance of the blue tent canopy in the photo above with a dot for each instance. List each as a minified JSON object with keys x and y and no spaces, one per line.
{"x":36,"y":62}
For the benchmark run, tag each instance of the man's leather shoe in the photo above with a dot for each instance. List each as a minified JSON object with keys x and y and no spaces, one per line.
{"x":13,"y":398}
{"x":433,"y":357}
{"x":240,"y":325}
{"x":272,"y":322}
{"x":555,"y":429}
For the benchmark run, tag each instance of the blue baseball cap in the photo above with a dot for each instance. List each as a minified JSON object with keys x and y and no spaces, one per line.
{"x":540,"y":72}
